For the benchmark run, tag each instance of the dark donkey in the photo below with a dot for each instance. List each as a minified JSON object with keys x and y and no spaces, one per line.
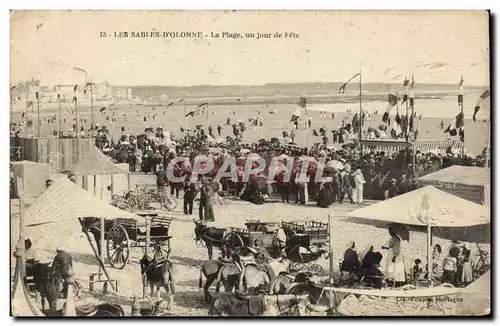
{"x":49,"y":279}
{"x":212,"y":237}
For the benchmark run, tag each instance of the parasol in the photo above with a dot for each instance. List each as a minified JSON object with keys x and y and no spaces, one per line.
{"x":334,"y":164}
{"x":401,"y":230}
{"x":245,"y":151}
{"x":283,"y":157}
{"x":253,"y":156}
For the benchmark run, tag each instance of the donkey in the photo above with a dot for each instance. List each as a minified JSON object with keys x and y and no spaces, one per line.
{"x":211,"y":236}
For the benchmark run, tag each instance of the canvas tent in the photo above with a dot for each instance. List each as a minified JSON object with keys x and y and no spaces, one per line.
{"x":428,"y":207}
{"x":475,"y":299}
{"x":95,"y":172}
{"x":468,"y":182}
{"x":64,"y":200}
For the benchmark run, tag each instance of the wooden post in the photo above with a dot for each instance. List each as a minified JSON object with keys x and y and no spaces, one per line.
{"x":112,"y":185}
{"x":146,"y":250}
{"x":20,"y":194}
{"x":429,"y":253}
{"x":330,"y":245}
{"x":128,"y":182}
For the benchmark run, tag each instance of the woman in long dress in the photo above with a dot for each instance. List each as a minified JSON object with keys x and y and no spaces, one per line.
{"x":395,"y":265}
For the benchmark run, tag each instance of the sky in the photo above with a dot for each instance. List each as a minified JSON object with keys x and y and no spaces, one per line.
{"x":435,"y":46}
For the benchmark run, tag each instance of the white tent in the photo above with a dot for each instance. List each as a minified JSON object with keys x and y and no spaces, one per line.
{"x":64,"y":200}
{"x":429,"y":207}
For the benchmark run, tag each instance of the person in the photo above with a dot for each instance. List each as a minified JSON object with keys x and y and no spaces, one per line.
{"x":351,"y":260}
{"x":358,"y":191}
{"x":189,"y":195}
{"x":347,"y":186}
{"x":393,"y":189}
{"x":417,"y":270}
{"x":370,"y":268}
{"x":395,"y":265}
{"x":466,"y":276}
{"x":219,"y":129}
{"x":48,"y":183}
{"x":161,"y":179}
{"x":450,"y":266}
{"x":309,"y":122}
{"x":404,"y":187}
{"x":436,"y":258}
{"x":206,"y":211}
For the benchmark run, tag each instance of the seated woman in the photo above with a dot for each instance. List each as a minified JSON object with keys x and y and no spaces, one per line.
{"x":370,"y":269}
{"x":351,"y":261}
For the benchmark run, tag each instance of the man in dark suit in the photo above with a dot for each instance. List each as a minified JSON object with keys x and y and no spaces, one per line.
{"x":189,"y":195}
{"x":348,"y":185}
{"x":161,"y":178}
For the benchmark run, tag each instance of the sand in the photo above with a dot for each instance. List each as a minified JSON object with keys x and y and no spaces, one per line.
{"x":187,"y":257}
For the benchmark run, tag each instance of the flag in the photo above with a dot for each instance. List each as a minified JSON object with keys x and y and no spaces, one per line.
{"x":75,"y":89}
{"x":74,"y":99}
{"x":197,"y":111}
{"x":355,"y":123}
{"x":302,"y":102}
{"x":36,"y":95}
{"x":405,"y":86}
{"x":480,"y":101}
{"x":456,"y":124}
{"x":170,"y":104}
{"x":102,"y":109}
{"x":396,"y":126}
{"x":461,"y":91}
{"x":295,"y":116}
{"x":393,"y":100}
{"x":342,"y":88}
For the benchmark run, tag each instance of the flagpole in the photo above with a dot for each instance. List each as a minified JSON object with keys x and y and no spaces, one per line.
{"x":91,"y":110}
{"x":463,"y":117}
{"x":76,"y":129}
{"x":185,"y":118}
{"x":38,"y":115}
{"x":307,"y":128}
{"x":361,"y":121}
{"x":26,"y":112}
{"x":207,"y":123}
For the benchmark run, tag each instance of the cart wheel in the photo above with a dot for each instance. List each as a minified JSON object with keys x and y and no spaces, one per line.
{"x":170,"y":203}
{"x":118,"y":246}
{"x":317,"y":269}
{"x":232,"y":241}
{"x":159,"y":252}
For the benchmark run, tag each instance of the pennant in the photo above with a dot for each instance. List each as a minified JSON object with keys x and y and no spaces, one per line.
{"x":102,"y":109}
{"x":393,"y":100}
{"x":170,"y":104}
{"x":74,"y":99}
{"x":456,"y":124}
{"x":342,"y":88}
{"x":355,"y":123}
{"x":302,"y":102}
{"x":396,"y":126}
{"x":198,"y":109}
{"x":75,"y":89}
{"x":36,"y":95}
{"x":480,"y":101}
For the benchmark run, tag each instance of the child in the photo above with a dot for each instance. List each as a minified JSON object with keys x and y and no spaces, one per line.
{"x":417,"y":270}
{"x":450,"y":265}
{"x":436,"y":257}
{"x":466,"y":267}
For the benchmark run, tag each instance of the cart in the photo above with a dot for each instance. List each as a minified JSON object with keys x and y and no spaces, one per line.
{"x":126,"y":233}
{"x":257,"y":234}
{"x":312,"y":237}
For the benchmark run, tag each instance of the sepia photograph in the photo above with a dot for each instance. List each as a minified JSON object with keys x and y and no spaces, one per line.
{"x":250,"y":163}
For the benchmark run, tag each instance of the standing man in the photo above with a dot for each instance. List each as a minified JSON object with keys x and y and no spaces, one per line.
{"x":206,"y":203}
{"x":189,"y":195}
{"x":360,"y":181}
{"x":219,"y":129}
{"x":161,"y":179}
{"x":348,"y":186}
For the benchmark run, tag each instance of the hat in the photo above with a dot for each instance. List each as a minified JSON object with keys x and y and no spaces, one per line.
{"x":393,"y":180}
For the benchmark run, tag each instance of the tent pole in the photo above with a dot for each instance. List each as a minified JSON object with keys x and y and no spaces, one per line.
{"x":330,"y":246}
{"x":429,"y":253}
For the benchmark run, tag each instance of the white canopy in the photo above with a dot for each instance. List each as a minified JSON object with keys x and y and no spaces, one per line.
{"x":412,"y":208}
{"x":64,"y":200}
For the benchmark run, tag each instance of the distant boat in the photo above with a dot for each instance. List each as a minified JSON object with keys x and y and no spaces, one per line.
{"x":272,"y":112}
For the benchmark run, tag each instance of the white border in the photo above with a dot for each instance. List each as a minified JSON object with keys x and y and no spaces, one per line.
{"x":187,"y":4}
